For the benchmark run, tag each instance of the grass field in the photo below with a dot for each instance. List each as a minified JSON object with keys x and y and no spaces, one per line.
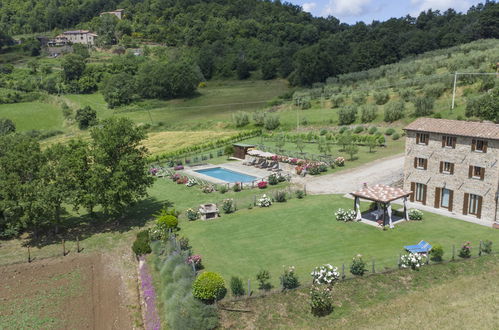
{"x":446,"y":296}
{"x":304,"y":234}
{"x":33,"y":115}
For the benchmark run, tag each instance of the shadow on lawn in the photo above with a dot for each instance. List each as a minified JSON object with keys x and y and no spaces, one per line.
{"x":88,"y":225}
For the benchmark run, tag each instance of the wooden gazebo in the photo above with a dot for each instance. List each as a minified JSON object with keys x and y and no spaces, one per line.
{"x":383,"y":195}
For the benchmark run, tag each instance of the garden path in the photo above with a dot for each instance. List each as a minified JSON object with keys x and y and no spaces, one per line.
{"x":382,"y":171}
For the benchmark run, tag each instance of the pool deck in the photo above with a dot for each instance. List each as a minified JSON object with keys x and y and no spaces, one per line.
{"x":260,"y":174}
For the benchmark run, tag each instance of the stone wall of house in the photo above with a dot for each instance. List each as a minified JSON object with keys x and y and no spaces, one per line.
{"x":459,"y":182}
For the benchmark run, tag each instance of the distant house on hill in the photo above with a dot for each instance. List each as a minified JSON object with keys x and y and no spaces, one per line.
{"x":118,"y":13}
{"x":83,"y":37}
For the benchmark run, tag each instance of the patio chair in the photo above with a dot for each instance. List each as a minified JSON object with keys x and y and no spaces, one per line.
{"x":273,"y":166}
{"x":250,"y":161}
{"x":264,"y":164}
{"x":259,"y":162}
{"x":421,"y":247}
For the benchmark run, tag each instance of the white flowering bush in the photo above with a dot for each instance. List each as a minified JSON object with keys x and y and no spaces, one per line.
{"x":345,"y":215}
{"x":264,"y":201}
{"x":325,"y":274}
{"x":191,"y":182}
{"x":415,"y":214}
{"x":412,"y":260}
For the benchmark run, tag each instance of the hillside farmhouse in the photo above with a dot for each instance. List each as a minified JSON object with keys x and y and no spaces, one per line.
{"x":118,"y":13}
{"x":83,"y":37}
{"x":453,"y":166}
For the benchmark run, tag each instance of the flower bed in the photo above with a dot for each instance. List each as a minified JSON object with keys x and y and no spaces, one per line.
{"x":151,"y":317}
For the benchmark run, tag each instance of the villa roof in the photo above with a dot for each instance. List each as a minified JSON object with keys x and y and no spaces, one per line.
{"x":381,"y":193}
{"x":77,"y":32}
{"x":483,"y":130}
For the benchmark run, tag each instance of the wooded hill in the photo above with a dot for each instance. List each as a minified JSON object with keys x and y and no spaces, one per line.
{"x":278,"y":39}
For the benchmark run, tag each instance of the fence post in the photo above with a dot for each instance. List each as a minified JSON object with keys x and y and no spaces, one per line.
{"x":63,"y":248}
{"x":77,"y":244}
{"x":249,"y":288}
{"x":29,"y":255}
{"x":480,"y":249}
{"x":305,"y":189}
{"x":374,"y":269}
{"x":398,"y":261}
{"x":193,"y":267}
{"x":254,"y":200}
{"x":343,"y":272}
{"x":453,"y":251}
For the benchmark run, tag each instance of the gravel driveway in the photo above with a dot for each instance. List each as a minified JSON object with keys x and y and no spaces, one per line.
{"x":385,"y":171}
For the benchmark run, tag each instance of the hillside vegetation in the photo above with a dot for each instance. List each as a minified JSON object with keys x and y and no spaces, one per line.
{"x":232,"y":38}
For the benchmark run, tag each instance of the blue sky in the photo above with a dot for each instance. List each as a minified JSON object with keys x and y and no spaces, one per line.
{"x":351,"y":11}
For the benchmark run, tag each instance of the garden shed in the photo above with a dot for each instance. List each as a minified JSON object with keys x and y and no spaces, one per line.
{"x":241,"y":149}
{"x":383,"y":195}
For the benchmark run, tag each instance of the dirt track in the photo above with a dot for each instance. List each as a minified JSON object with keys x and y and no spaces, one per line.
{"x":74,"y":292}
{"x":382,"y":171}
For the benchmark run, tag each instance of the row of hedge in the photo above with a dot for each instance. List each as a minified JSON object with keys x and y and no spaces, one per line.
{"x":196,"y":149}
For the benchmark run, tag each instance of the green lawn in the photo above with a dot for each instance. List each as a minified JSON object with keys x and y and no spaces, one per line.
{"x":304,"y":234}
{"x":33,"y":115}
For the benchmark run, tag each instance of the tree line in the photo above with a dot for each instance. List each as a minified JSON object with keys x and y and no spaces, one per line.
{"x":38,"y":187}
{"x":233,"y":38}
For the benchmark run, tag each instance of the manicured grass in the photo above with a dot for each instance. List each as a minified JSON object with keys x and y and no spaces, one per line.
{"x":33,"y":115}
{"x":303,"y":233}
{"x":158,"y":142}
{"x":103,"y":233}
{"x":436,"y":297}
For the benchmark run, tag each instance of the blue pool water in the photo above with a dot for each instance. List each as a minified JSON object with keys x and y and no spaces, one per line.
{"x":227,"y":175}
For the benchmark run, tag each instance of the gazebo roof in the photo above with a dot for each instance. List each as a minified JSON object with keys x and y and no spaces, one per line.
{"x":381,"y":193}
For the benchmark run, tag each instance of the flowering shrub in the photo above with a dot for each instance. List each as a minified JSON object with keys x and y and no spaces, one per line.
{"x":192,"y":214}
{"x":437,"y":253}
{"x":182,"y":180}
{"x":340,"y":161}
{"x":208,"y":188}
{"x":262,"y":184}
{"x":273,"y":179}
{"x":237,"y":187}
{"x":412,"y":260}
{"x":153,"y":171}
{"x":196,"y":259}
{"x":298,"y":169}
{"x":289,"y":280}
{"x":345,"y":215}
{"x":158,"y":233}
{"x":415,"y":214}
{"x":325,"y":274}
{"x":264,"y":201}
{"x":321,"y":300}
{"x":228,"y":205}
{"x":191,"y":182}
{"x":175,"y":177}
{"x":178,"y":167}
{"x":358,"y":266}
{"x":465,"y":251}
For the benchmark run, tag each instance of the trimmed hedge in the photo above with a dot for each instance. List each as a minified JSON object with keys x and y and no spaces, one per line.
{"x":209,"y":287}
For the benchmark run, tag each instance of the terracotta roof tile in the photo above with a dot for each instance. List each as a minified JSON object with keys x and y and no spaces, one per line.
{"x":455,"y":127}
{"x":381,"y":193}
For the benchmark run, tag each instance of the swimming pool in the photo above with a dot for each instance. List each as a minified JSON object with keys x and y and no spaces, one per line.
{"x":226,"y":175}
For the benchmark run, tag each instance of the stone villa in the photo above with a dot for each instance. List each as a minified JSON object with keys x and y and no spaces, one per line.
{"x":453,"y":165}
{"x":84,"y":37}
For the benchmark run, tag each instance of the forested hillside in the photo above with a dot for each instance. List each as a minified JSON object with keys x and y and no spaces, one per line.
{"x":236,"y":37}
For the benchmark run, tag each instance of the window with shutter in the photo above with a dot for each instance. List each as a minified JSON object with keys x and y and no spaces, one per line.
{"x":413,"y":189}
{"x":479,"y":146}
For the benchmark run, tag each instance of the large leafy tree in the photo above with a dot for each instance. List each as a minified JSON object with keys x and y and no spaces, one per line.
{"x":20,"y":161}
{"x":73,"y":66}
{"x":119,"y":169}
{"x":118,"y":89}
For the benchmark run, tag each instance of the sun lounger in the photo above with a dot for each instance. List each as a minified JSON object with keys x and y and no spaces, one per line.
{"x":273,"y":166}
{"x":421,"y":247}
